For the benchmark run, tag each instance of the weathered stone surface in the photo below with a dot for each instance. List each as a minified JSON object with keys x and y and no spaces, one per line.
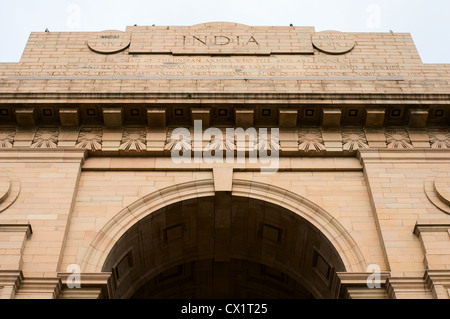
{"x":342,"y":183}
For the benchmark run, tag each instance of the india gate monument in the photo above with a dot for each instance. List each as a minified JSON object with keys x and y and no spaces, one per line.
{"x":222,"y":160}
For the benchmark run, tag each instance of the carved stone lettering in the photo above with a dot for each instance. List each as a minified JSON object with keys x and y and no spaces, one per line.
{"x":234,"y":66}
{"x":219,"y":40}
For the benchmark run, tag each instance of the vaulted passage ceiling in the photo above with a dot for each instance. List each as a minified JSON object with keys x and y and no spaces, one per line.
{"x":206,"y":279}
{"x":224,"y":247}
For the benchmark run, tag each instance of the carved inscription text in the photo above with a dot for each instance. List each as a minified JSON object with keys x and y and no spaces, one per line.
{"x":219,"y":40}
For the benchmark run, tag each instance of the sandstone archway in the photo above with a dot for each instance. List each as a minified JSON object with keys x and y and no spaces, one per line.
{"x":256,"y":242}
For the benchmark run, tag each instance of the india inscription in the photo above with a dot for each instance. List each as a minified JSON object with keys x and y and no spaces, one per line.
{"x":218,"y":51}
{"x":219,"y":40}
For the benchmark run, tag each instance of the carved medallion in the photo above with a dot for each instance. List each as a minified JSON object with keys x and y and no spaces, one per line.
{"x":438,"y":192}
{"x":442,"y":189}
{"x":5,"y":188}
{"x":333,"y":42}
{"x":9,"y":190}
{"x":109,"y":42}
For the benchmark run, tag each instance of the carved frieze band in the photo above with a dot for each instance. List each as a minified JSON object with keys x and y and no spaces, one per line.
{"x":309,"y":139}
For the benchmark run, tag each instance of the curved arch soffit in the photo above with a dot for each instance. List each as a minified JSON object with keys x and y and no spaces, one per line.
{"x":339,"y":237}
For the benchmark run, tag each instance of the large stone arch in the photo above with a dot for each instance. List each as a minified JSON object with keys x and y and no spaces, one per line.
{"x":119,"y":233}
{"x":338,"y":236}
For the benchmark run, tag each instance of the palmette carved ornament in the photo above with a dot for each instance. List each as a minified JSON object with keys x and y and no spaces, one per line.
{"x":439,"y":138}
{"x":7,"y":138}
{"x":398,"y":139}
{"x":178,"y":141}
{"x":46,"y":138}
{"x":311,"y":140}
{"x":90,"y":139}
{"x":133,"y":140}
{"x":353,"y":140}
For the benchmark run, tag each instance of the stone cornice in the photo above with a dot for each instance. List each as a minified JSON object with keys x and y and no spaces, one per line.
{"x":224,"y":97}
{"x":90,"y":281}
{"x":97,"y":285}
{"x":117,"y":163}
{"x":11,"y":278}
{"x":419,"y":155}
{"x":355,"y":285}
{"x":439,"y":283}
{"x":401,"y":287}
{"x":37,"y":286}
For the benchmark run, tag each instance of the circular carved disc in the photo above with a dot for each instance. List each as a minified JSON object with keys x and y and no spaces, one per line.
{"x":333,"y":42}
{"x":110,"y":41}
{"x":5,"y":188}
{"x":442,"y":187}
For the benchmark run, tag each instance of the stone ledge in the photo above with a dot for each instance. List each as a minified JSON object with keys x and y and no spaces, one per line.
{"x":439,"y":283}
{"x":11,"y":278}
{"x":21,"y":228}
{"x":408,"y":287}
{"x":70,"y":155}
{"x":378,"y":99}
{"x":92,"y":285}
{"x":166,"y":164}
{"x":432,"y":226}
{"x":354,"y":286}
{"x":404,"y":155}
{"x":39,"y":288}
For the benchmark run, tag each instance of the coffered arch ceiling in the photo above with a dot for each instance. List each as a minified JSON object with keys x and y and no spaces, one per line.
{"x":224,"y":246}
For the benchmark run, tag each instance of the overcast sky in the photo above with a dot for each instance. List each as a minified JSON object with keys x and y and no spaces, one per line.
{"x":427,"y":20}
